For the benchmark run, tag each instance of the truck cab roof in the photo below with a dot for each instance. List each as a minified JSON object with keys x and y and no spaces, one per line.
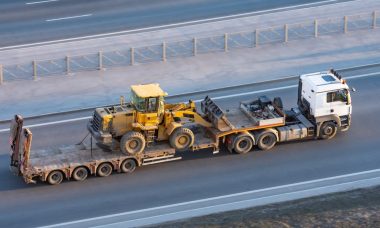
{"x":323,"y":81}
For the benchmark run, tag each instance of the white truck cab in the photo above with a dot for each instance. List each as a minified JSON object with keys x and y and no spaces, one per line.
{"x":325,"y":97}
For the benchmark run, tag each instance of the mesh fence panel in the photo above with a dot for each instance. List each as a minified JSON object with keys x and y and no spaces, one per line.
{"x":51,"y":67}
{"x":180,"y":49}
{"x":148,"y":54}
{"x":210,"y":44}
{"x":271,"y":35}
{"x":18,"y":72}
{"x":301,"y":31}
{"x":85,"y":62}
{"x":330,"y":26}
{"x":241,"y":40}
{"x":377,"y":21}
{"x":117,"y":58}
{"x":358,"y":22}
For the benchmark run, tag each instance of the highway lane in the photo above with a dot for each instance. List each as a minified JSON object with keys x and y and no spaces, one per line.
{"x":198,"y":175}
{"x":23,"y":23}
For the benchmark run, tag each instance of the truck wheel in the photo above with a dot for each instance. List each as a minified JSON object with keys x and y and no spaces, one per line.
{"x":182,"y":139}
{"x":104,"y":169}
{"x":278,"y":102}
{"x":132,"y":143}
{"x":242,"y":144}
{"x":266,"y":141}
{"x":328,"y":130}
{"x":80,"y":173}
{"x":55,"y":177}
{"x":128,"y":166}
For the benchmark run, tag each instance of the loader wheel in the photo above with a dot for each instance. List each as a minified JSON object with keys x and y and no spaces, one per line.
{"x":328,"y":130}
{"x":104,"y":169}
{"x":55,"y":177}
{"x":128,"y":166}
{"x":132,"y":143}
{"x":80,"y":173}
{"x":242,"y":144}
{"x":182,"y":139}
{"x":266,"y":140}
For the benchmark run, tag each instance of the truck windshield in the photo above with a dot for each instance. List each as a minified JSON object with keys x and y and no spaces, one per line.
{"x":138,"y":102}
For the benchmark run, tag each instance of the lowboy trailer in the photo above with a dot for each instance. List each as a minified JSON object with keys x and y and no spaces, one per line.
{"x":324,"y":108}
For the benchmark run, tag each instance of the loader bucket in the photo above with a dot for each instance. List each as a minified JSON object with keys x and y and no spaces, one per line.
{"x":215,"y":115}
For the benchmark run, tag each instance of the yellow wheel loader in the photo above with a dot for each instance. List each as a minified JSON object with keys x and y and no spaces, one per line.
{"x":144,"y":120}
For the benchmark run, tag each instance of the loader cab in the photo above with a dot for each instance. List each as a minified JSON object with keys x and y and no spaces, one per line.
{"x":148,"y":100}
{"x":324,"y":94}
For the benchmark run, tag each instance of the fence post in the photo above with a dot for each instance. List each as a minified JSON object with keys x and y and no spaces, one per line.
{"x":67,"y":65}
{"x":226,"y":42}
{"x":100,"y":60}
{"x":256,"y":37}
{"x":164,"y":51}
{"x":286,"y":33}
{"x":374,"y":20}
{"x":34,"y":70}
{"x":132,"y":56}
{"x":315,"y":28}
{"x":345,"y":24}
{"x":1,"y":75}
{"x":194,"y":46}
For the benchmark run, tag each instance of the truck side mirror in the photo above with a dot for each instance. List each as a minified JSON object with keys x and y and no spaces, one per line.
{"x":353,"y":89}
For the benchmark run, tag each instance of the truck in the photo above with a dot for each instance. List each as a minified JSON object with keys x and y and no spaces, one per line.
{"x":146,"y":130}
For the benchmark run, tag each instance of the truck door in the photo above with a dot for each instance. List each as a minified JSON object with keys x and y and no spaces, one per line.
{"x":339,"y":102}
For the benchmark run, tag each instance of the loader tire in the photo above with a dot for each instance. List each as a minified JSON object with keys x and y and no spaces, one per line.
{"x":242,"y":144}
{"x":328,"y":130}
{"x":182,"y":139}
{"x":132,"y":143}
{"x":266,"y":140}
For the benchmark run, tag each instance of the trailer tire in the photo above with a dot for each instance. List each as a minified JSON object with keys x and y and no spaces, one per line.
{"x":328,"y":130}
{"x":266,"y":140}
{"x":278,"y":102}
{"x":55,"y":177}
{"x":242,"y":144}
{"x":80,"y":173}
{"x":132,"y":143}
{"x":182,"y":139}
{"x":105,"y":169}
{"x":128,"y":166}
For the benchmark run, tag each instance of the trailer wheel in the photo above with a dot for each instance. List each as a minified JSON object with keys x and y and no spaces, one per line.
{"x":242,"y":144}
{"x":104,"y":169}
{"x":55,"y":177}
{"x":128,"y":166}
{"x":182,"y":139}
{"x":328,"y":130}
{"x":80,"y":173}
{"x":132,"y":143}
{"x":266,"y":140}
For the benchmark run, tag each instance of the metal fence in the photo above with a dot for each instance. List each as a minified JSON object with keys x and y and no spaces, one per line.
{"x":185,"y":48}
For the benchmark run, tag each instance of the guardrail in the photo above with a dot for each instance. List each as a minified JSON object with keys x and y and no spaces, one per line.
{"x":189,"y":47}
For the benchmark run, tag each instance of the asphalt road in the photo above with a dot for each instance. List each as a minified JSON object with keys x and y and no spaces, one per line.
{"x":30,"y":21}
{"x":199,"y":175}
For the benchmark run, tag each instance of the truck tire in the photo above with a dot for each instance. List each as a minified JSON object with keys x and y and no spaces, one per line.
{"x":128,"y":166}
{"x":266,"y":140}
{"x":132,"y":143}
{"x":182,"y":139}
{"x":328,"y":130}
{"x":80,"y":173}
{"x":55,"y":177}
{"x":242,"y":144}
{"x":278,"y":102}
{"x":104,"y":169}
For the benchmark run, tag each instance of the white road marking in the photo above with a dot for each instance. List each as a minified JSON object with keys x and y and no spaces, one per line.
{"x":214,"y":98}
{"x":224,"y":197}
{"x":66,"y":18}
{"x":171,"y":25}
{"x":39,"y":2}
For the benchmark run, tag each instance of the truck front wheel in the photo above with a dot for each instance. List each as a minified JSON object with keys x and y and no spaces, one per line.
{"x":266,"y":140}
{"x":328,"y":130}
{"x":132,"y":143}
{"x":182,"y":139}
